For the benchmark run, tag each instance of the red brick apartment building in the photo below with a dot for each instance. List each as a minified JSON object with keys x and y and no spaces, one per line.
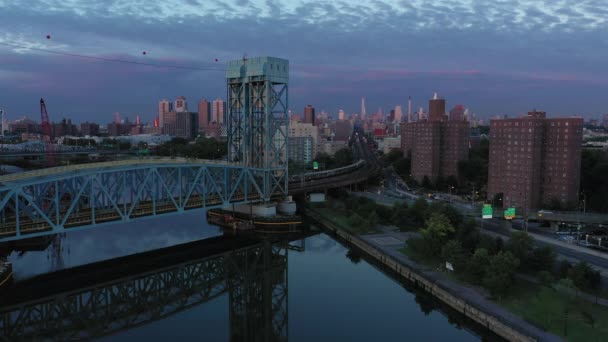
{"x":535,"y":161}
{"x":436,"y":144}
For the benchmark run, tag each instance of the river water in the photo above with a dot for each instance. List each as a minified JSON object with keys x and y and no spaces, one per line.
{"x":320,"y":291}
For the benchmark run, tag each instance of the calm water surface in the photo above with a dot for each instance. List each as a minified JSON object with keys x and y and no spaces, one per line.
{"x":331,"y":294}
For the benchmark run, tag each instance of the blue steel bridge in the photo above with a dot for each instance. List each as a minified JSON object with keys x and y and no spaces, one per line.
{"x":49,"y":201}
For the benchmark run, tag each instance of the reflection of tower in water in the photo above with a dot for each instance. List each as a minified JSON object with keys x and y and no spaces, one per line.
{"x":258,"y":294}
{"x":55,"y":251}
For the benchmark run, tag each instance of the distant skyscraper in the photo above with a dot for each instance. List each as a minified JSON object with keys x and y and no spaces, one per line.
{"x":164,"y":106}
{"x":218,"y":110}
{"x":181,"y":105}
{"x":605,"y":121}
{"x":341,"y":115}
{"x":436,"y":109}
{"x":363,"y":114}
{"x":421,"y":114}
{"x":409,"y":109}
{"x":398,"y":114}
{"x":309,"y":114}
{"x":204,"y":114}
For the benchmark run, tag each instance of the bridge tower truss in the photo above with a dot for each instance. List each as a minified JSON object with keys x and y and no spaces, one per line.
{"x":257,"y":120}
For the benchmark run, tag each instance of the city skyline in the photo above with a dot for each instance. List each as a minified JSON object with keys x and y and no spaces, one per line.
{"x":477,"y":60}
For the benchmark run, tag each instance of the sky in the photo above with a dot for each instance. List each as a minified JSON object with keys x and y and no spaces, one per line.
{"x":494,"y":57}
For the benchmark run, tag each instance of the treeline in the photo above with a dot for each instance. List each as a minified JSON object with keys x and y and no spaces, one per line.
{"x":490,"y":262}
{"x":594,"y":180}
{"x":365,"y":211}
{"x":201,"y":148}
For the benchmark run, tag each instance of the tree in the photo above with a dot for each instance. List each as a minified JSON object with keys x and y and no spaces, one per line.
{"x":584,"y":277}
{"x":520,"y":244}
{"x":372,"y":220}
{"x":418,"y":211}
{"x":437,"y":231}
{"x":426,"y":182}
{"x":546,"y":278}
{"x":476,"y":267}
{"x":353,"y":256}
{"x":449,"y":211}
{"x":343,"y":157}
{"x":468,"y":235}
{"x":453,"y":253}
{"x":500,"y":273}
{"x":542,"y":259}
{"x":563,"y":269}
{"x":594,"y":183}
{"x":493,"y":246}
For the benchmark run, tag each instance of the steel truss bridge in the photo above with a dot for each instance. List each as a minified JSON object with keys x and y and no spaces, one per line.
{"x":54,"y":200}
{"x":111,"y":296}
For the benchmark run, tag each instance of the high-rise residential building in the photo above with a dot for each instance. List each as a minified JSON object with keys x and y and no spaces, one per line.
{"x":341,"y":115}
{"x":218,"y":110}
{"x":164,"y":106}
{"x":63,"y":128}
{"x":605,"y":121}
{"x":457,"y":113}
{"x":181,"y":105}
{"x":24,"y":125}
{"x":302,"y":142}
{"x":363,"y":114}
{"x":436,"y":109}
{"x":398,"y":114}
{"x":89,"y":128}
{"x":181,"y":124}
{"x":309,"y":114}
{"x":535,"y":161}
{"x":204,"y":114}
{"x":342,"y":130}
{"x":436,"y":145}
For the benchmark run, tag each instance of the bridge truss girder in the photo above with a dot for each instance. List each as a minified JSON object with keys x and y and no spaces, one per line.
{"x":137,"y":300}
{"x":50,"y":205}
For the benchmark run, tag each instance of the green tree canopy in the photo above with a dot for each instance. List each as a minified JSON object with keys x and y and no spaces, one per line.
{"x":500,"y":273}
{"x":438,"y":231}
{"x":476,"y":267}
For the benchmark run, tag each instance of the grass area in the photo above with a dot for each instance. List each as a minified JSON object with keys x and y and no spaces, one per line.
{"x":545,"y":307}
{"x":340,"y":217}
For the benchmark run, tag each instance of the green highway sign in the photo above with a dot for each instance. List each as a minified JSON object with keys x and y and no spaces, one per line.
{"x":487,"y":212}
{"x":510,"y":213}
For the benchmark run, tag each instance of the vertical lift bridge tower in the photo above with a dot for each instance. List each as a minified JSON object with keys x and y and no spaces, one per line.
{"x":258,"y":122}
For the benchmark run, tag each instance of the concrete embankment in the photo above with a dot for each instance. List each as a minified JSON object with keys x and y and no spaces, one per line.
{"x":461,"y":299}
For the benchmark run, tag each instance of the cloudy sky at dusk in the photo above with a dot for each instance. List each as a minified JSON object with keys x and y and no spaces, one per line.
{"x":495,"y":57}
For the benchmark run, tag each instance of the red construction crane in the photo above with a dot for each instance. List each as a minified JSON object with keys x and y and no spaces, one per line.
{"x":47,"y":131}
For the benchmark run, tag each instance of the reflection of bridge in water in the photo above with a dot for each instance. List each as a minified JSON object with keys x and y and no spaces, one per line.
{"x":110,"y":296}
